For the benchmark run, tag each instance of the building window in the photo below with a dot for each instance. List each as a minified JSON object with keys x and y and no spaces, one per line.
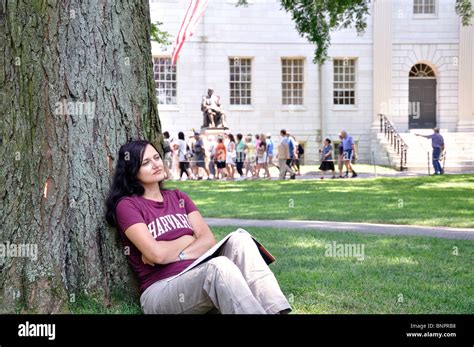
{"x":292,"y":76}
{"x":344,"y":81}
{"x":421,"y":70}
{"x":424,"y":6}
{"x":240,"y":81}
{"x":165,"y":81}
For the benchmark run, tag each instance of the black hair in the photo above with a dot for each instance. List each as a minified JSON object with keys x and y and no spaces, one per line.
{"x":328,"y":140}
{"x":231,"y":138}
{"x":239,"y":136}
{"x":283,"y":132}
{"x":181,"y":135}
{"x":125,"y":181}
{"x":166,"y":135}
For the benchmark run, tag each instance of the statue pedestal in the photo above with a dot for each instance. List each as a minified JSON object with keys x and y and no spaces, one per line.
{"x":213,"y":131}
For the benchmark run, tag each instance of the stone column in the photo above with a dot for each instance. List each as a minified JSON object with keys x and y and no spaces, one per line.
{"x":382,"y":50}
{"x":466,"y":78}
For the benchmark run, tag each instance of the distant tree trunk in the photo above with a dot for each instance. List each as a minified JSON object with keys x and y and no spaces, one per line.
{"x":77,"y":82}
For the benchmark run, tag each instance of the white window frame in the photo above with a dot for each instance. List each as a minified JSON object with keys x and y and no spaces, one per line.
{"x":425,"y":15}
{"x":241,"y":106}
{"x":353,"y":106}
{"x":293,"y":106}
{"x":165,"y":105}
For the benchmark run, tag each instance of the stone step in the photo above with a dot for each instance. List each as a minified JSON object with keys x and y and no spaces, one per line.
{"x":460,"y":157}
{"x":467,"y":145}
{"x":448,"y":169}
{"x":422,"y":153}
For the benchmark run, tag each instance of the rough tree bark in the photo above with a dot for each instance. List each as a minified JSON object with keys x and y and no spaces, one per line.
{"x":76,"y":82}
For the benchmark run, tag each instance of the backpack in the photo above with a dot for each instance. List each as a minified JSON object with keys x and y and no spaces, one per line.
{"x":300,"y":149}
{"x":189,"y":154}
{"x":166,"y":146}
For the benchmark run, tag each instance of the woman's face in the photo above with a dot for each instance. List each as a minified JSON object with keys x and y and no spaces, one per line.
{"x":151,"y":169}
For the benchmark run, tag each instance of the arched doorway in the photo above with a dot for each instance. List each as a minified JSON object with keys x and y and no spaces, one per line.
{"x":422,"y":97}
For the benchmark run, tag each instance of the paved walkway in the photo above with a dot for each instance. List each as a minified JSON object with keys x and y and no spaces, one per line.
{"x":385,"y":229}
{"x":311,"y":173}
{"x":394,"y":174}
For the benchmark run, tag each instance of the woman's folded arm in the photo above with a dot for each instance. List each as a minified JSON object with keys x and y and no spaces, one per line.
{"x":156,"y":252}
{"x":204,"y":237}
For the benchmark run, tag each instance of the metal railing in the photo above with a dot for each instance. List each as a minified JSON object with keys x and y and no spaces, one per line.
{"x":396,"y":141}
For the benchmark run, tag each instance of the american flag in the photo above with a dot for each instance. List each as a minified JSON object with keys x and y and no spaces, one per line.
{"x":193,"y":14}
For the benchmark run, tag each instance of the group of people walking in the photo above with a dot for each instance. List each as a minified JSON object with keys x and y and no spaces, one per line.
{"x":239,"y":157}
{"x":230,"y":157}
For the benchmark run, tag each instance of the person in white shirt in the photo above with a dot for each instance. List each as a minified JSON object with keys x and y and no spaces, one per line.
{"x":211,"y":153}
{"x":183,"y":149}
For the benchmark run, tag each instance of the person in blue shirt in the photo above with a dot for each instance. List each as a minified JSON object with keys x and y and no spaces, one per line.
{"x":349,"y":152}
{"x":291,"y":146}
{"x":269,"y":150}
{"x":327,"y":160}
{"x":437,"y":142}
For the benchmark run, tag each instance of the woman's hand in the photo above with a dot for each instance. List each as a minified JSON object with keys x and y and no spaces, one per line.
{"x":204,"y":237}
{"x":146,"y":261}
{"x":182,"y":242}
{"x":187,"y":239}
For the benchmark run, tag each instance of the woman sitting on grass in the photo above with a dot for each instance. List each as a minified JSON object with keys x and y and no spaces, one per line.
{"x":165,"y":233}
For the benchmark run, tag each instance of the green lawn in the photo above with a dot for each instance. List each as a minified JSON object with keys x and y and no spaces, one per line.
{"x":429,"y":277}
{"x":397,"y":275}
{"x":432,"y":200}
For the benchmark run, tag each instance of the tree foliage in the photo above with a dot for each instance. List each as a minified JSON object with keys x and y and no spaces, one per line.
{"x":158,"y":35}
{"x":464,"y":10}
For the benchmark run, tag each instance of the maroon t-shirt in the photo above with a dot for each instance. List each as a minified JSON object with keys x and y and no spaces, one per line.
{"x":166,"y":221}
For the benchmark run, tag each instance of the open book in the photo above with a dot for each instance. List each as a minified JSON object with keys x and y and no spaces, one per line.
{"x":215,"y":250}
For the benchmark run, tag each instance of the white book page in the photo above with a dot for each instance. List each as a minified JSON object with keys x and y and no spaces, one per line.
{"x":211,"y":252}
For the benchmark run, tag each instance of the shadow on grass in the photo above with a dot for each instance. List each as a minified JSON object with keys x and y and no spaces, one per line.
{"x":436,"y":201}
{"x":397,"y":275}
{"x":120,"y":304}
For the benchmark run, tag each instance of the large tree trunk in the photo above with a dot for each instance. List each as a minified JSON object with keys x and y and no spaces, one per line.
{"x":77,"y":82}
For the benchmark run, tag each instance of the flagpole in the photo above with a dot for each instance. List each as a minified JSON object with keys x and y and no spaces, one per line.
{"x":195,"y":11}
{"x":204,"y":42}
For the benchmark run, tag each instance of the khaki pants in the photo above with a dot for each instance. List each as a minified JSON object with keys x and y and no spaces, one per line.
{"x":238,"y":281}
{"x":284,"y":168}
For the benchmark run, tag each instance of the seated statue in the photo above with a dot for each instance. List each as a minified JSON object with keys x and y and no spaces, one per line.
{"x":213,"y":117}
